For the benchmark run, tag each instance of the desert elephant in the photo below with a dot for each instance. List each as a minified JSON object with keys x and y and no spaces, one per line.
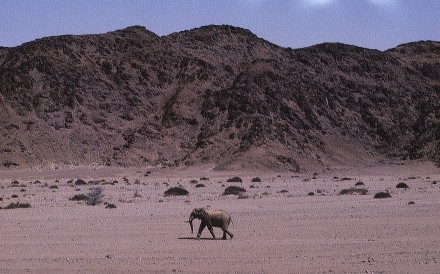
{"x":210,"y":218}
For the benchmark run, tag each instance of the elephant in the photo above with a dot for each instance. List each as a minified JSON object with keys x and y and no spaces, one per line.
{"x":211,"y":218}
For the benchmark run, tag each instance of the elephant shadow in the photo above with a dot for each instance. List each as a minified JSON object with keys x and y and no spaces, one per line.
{"x":193,"y":238}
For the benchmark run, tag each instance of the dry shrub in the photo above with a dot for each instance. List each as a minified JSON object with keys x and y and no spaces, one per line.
{"x":353,"y":191}
{"x":402,"y":185}
{"x":381,"y":195}
{"x":234,"y":190}
{"x":359,"y":184}
{"x":79,"y":197}
{"x":108,"y":205}
{"x":234,"y":180}
{"x":95,"y":196}
{"x":17,"y":205}
{"x":256,"y":180}
{"x":80,"y":182}
{"x":200,"y":185}
{"x":176,"y":191}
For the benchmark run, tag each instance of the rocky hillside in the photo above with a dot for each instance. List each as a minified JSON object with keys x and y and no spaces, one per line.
{"x":215,"y":95}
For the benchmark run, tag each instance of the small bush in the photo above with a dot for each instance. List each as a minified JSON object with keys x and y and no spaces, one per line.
{"x":15,"y":183}
{"x":176,"y":191}
{"x":80,"y":182}
{"x":311,"y":193}
{"x":256,"y":180}
{"x":17,"y":205}
{"x":95,"y":196}
{"x":79,"y":197}
{"x":381,"y":195}
{"x":193,"y":182}
{"x":402,"y":185}
{"x":411,"y":202}
{"x":110,"y":206}
{"x":200,"y":185}
{"x":234,"y":180}
{"x":14,"y":196}
{"x":204,"y":179}
{"x":233,"y":190}
{"x":359,"y":184}
{"x":353,"y":191}
{"x":53,"y":187}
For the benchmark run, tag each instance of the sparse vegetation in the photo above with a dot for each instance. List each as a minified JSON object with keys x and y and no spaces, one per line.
{"x":256,"y":180}
{"x":233,"y":190}
{"x":80,"y":182}
{"x":381,"y":195}
{"x":193,"y":182}
{"x":402,"y":185}
{"x":53,"y":187}
{"x":176,"y":191}
{"x":17,"y":205}
{"x":311,"y":193}
{"x":95,"y":196}
{"x":359,"y":184}
{"x":234,"y":180}
{"x":108,"y":205}
{"x":200,"y":185}
{"x":79,"y":197}
{"x":353,"y":191}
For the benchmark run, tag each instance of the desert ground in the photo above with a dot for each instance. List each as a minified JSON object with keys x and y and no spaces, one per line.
{"x":279,"y":226}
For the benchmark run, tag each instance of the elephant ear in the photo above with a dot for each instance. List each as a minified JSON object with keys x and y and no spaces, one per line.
{"x":206,"y":217}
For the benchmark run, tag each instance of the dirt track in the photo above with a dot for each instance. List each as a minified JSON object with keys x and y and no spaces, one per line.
{"x":275,"y":231}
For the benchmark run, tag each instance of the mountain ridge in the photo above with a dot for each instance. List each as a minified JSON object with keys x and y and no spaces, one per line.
{"x":218,"y":95}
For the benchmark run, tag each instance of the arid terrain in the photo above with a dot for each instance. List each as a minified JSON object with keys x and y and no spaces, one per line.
{"x":279,"y":226}
{"x":94,"y":129}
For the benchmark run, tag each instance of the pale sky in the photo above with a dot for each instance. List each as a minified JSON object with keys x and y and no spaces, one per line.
{"x":377,"y":24}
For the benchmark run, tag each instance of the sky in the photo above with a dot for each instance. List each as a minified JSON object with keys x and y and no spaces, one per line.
{"x":375,"y":24}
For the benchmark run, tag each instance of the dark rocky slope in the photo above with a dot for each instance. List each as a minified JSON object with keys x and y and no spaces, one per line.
{"x":216,"y":95}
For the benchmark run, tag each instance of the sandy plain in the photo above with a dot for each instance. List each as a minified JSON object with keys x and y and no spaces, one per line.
{"x":279,"y":227}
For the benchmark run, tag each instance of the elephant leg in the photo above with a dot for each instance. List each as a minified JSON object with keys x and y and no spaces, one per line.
{"x":227,"y":232}
{"x":211,"y":230}
{"x":202,"y":226}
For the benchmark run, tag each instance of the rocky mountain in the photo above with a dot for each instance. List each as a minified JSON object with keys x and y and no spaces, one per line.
{"x":215,"y":95}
